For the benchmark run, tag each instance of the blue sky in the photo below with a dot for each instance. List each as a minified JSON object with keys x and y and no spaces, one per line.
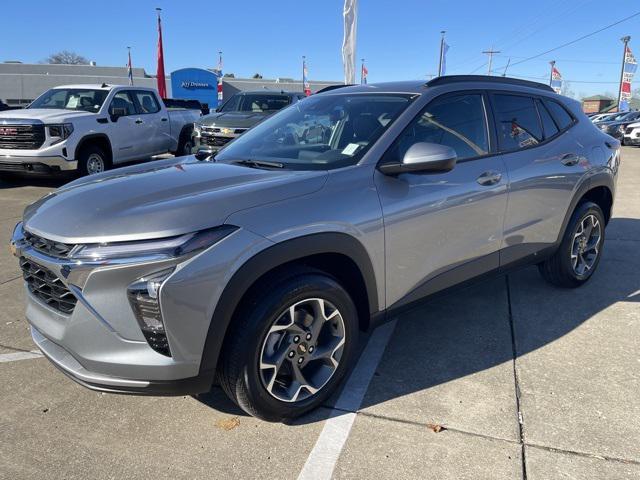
{"x":398,"y":38}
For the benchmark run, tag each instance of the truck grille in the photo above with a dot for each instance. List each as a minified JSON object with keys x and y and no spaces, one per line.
{"x":21,"y":137}
{"x":214,"y":141}
{"x":629,"y":130}
{"x":47,"y":287}
{"x":48,"y":247}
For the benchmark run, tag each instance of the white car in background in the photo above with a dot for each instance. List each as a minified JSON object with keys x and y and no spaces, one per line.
{"x":91,"y":128}
{"x":632,"y":134}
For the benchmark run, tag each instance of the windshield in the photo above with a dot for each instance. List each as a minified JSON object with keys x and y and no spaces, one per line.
{"x":71,"y":99}
{"x":319,"y":133}
{"x":258,"y":102}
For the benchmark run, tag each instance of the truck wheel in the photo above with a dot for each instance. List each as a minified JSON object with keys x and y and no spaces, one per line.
{"x":289,"y":346}
{"x":185,"y":145}
{"x":579,"y":253}
{"x":92,"y":160}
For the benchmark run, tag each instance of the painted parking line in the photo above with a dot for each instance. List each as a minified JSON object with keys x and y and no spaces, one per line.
{"x":14,"y":357}
{"x":324,"y":456}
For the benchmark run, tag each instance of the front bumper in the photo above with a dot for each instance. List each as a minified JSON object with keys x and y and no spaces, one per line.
{"x":36,"y":164}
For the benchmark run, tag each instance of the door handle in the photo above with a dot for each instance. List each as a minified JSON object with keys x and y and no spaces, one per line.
{"x":138,"y":121}
{"x":570,"y":159}
{"x":489,"y":178}
{"x":164,"y":119}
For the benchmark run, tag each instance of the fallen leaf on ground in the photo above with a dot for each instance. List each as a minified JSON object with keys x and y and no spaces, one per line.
{"x":228,"y":423}
{"x":435,"y":427}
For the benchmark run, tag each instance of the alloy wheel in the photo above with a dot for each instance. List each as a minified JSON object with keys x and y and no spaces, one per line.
{"x":302,"y":350}
{"x":586,"y":245}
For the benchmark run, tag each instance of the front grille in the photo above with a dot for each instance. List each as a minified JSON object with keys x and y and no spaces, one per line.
{"x":48,"y":247}
{"x":47,"y":287}
{"x":629,"y":130}
{"x":214,"y":141}
{"x":21,"y":137}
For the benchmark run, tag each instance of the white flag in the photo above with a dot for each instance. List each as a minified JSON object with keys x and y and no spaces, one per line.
{"x":350,"y":14}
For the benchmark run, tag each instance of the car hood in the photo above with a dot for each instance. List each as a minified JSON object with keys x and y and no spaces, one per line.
{"x":160,"y":199}
{"x":44,"y":115}
{"x":233,"y":119}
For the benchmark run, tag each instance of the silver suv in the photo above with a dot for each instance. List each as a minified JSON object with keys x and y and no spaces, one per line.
{"x":260,"y":266}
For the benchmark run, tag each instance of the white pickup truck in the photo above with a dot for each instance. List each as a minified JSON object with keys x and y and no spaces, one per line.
{"x":91,"y":128}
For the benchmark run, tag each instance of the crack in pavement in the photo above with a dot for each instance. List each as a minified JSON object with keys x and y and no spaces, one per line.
{"x":10,"y":280}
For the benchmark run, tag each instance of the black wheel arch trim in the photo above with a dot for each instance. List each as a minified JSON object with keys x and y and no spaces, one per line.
{"x":88,"y":138}
{"x":269,"y":259}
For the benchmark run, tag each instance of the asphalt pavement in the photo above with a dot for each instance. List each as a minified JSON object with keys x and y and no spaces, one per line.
{"x":508,"y":379}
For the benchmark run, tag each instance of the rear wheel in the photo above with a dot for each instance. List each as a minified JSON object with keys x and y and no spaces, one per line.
{"x":579,"y":254}
{"x":92,"y":160}
{"x":290,"y":346}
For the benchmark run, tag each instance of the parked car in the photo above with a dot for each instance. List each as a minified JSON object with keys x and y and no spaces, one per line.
{"x":261,"y":264}
{"x":91,"y":128}
{"x":617,"y":126}
{"x":238,"y":114}
{"x":632,"y":134}
{"x":4,"y":107}
{"x":600,"y":116}
{"x":189,"y":104}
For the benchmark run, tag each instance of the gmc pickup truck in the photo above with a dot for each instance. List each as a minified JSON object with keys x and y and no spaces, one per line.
{"x":91,"y":128}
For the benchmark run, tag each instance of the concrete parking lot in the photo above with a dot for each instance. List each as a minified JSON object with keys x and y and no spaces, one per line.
{"x":510,"y":378}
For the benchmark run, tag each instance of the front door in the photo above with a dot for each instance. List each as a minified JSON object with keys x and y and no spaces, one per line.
{"x":442,"y":228}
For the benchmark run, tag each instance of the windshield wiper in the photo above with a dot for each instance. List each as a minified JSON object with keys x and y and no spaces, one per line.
{"x":258,"y":163}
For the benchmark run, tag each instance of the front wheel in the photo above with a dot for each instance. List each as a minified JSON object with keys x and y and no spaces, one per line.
{"x":92,"y":160}
{"x":290,"y":346}
{"x":579,"y":253}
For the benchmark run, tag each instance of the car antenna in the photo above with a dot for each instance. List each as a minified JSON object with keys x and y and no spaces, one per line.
{"x":104,"y":85}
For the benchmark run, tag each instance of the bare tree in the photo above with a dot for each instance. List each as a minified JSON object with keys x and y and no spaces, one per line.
{"x":67,"y":58}
{"x":229,"y":75}
{"x":256,"y":75}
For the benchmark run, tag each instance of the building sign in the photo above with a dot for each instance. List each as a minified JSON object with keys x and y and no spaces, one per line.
{"x":195,"y":84}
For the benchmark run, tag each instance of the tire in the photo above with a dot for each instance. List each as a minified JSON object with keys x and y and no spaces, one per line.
{"x":92,"y":160}
{"x":185,"y":144}
{"x":563,"y":268}
{"x":251,"y":338}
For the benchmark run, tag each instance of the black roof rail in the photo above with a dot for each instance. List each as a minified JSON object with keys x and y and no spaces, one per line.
{"x":334,"y":87}
{"x":447,"y":79}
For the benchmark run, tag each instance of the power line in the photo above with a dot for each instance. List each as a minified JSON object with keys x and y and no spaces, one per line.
{"x":576,"y":40}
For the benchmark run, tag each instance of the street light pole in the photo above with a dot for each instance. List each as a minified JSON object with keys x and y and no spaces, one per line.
{"x":624,"y":40}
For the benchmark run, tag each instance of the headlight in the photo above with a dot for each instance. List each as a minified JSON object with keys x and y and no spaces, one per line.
{"x":162,"y":248}
{"x":621,"y":128}
{"x":197,"y":129}
{"x":60,"y":132}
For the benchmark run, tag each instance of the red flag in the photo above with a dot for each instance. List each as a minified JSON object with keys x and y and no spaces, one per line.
{"x":162,"y":85}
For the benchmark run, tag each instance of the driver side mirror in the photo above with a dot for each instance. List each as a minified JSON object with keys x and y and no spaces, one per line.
{"x":423,"y":157}
{"x":117,"y":112}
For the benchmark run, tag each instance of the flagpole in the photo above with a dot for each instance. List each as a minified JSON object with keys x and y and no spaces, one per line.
{"x":553,"y":64}
{"x":304,"y":58}
{"x":441,"y":52}
{"x":624,"y":40}
{"x":362,"y":72}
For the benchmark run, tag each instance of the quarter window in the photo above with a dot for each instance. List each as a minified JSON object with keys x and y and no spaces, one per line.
{"x":457,"y":121}
{"x":549,"y":126}
{"x":147,"y":102}
{"x":517,"y":122}
{"x":563,"y":119}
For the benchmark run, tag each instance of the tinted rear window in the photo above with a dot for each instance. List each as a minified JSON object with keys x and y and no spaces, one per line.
{"x":549,"y":126}
{"x":562,"y":117}
{"x":517,"y":122}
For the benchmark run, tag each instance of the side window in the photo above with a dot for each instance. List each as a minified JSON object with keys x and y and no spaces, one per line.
{"x":122,"y":100}
{"x":457,"y":121}
{"x":517,"y":122}
{"x":232,"y":105}
{"x":548,"y":125}
{"x":563,"y":119}
{"x":147,"y":102}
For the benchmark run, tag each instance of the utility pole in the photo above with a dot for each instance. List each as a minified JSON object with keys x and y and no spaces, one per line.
{"x":441,"y":52}
{"x":553,"y":64}
{"x":491,"y":53}
{"x":624,"y":40}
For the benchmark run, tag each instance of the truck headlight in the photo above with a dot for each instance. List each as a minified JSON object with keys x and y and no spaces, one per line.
{"x":163,"y":248}
{"x":60,"y":132}
{"x":197,"y":129}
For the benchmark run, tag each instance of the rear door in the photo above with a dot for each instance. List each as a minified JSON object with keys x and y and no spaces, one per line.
{"x":545,"y":162}
{"x":153,"y":124}
{"x":442,"y":228}
{"x":125,"y":133}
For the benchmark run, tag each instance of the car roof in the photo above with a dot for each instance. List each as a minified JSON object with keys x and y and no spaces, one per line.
{"x":268,"y":92}
{"x":465,"y":81}
{"x":103,"y":86}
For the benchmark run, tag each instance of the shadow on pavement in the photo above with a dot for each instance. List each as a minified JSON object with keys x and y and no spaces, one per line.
{"x":14,"y":180}
{"x":469,"y":329}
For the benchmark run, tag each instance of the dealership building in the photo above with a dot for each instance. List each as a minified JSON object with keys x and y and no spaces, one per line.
{"x":21,"y":83}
